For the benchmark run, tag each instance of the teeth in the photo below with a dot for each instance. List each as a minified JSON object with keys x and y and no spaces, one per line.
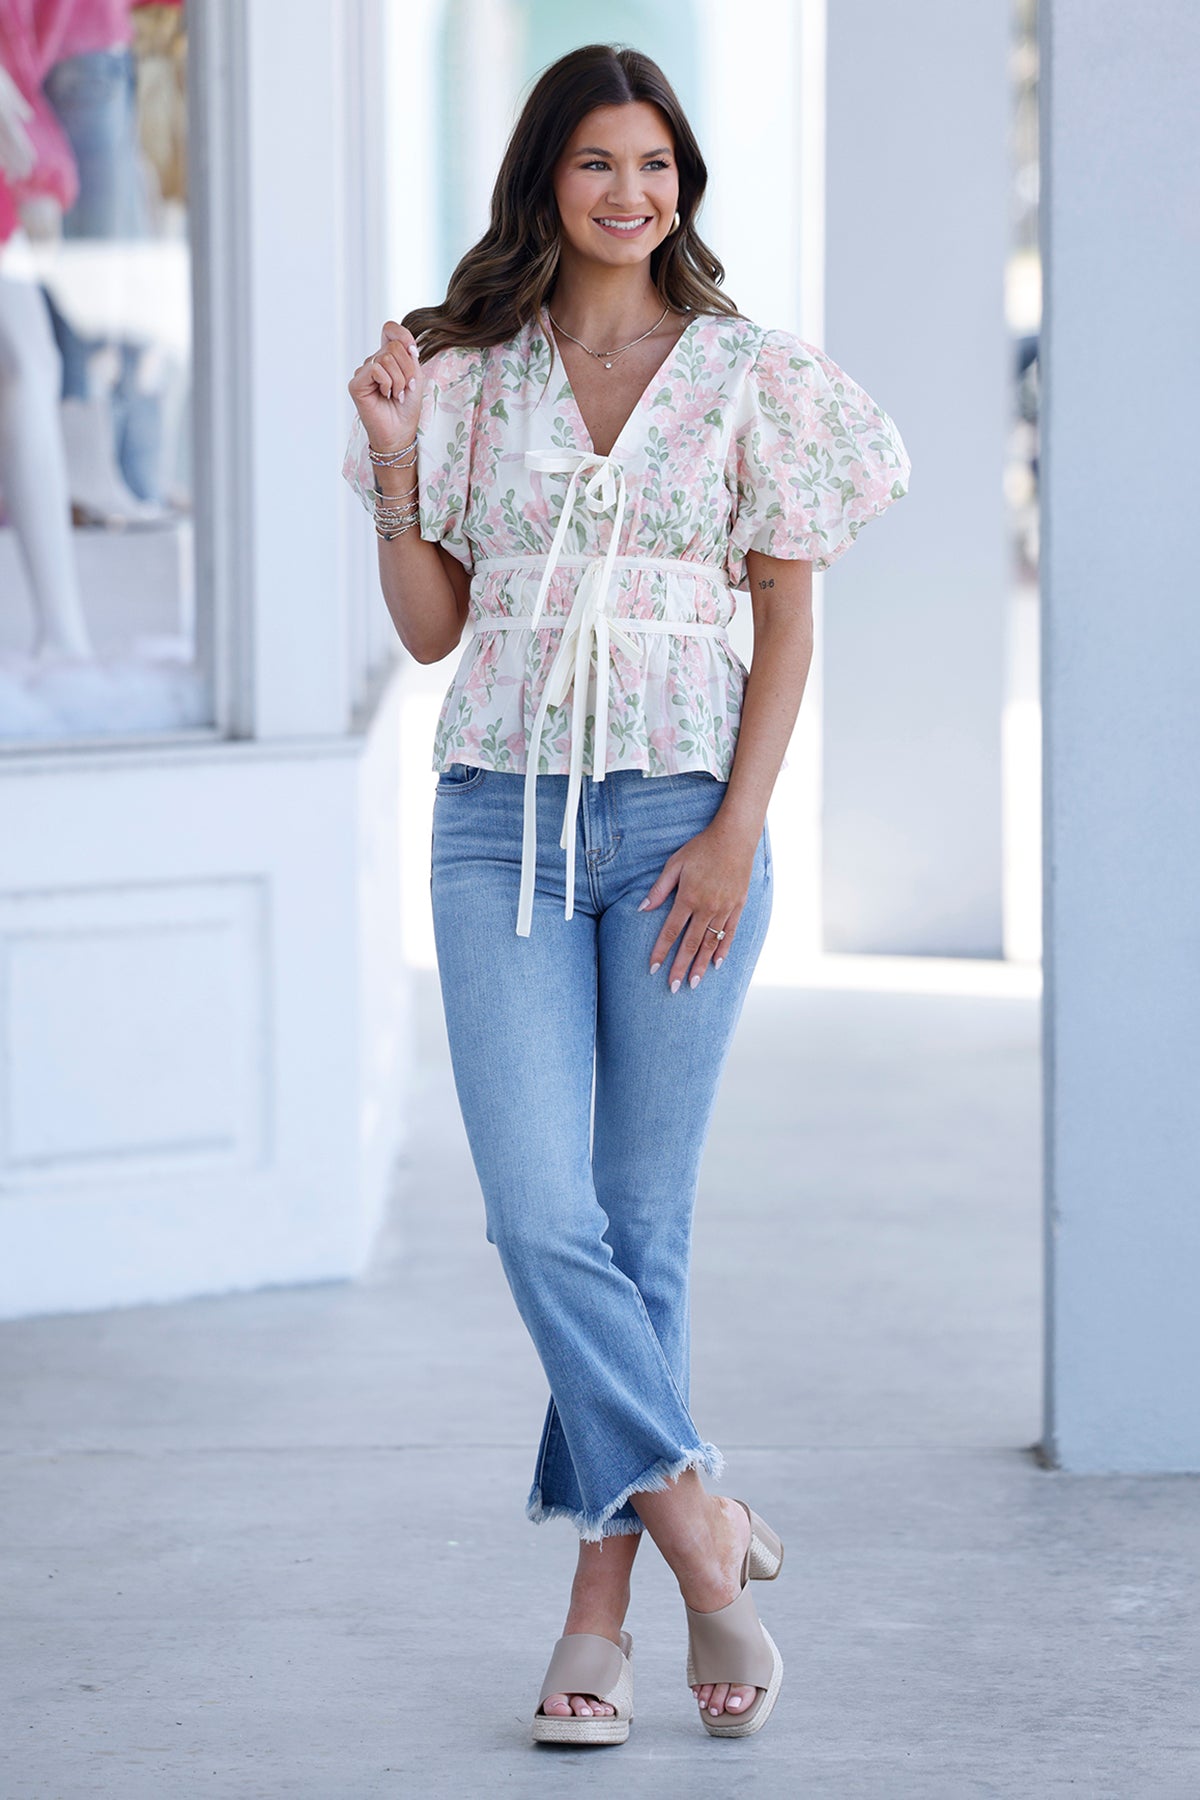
{"x":622,"y":224}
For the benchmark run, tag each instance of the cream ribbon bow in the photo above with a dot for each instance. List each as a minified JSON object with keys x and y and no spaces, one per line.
{"x":587,"y":632}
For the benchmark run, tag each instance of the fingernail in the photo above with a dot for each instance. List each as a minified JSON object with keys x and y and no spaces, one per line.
{"x":644,"y":906}
{"x":676,"y":985}
{"x":655,"y":967}
{"x":717,"y":961}
{"x":694,"y":982}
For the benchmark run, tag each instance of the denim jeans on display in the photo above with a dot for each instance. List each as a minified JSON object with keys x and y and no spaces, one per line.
{"x":137,"y":421}
{"x":592,"y":1222}
{"x":95,"y":97}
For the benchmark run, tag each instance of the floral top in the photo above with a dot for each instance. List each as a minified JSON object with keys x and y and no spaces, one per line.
{"x":744,"y":439}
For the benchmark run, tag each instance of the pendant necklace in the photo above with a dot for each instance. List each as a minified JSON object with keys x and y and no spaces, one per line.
{"x":602,"y":354}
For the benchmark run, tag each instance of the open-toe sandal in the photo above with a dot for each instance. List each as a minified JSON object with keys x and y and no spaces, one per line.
{"x":733,"y":1645}
{"x":584,"y":1663}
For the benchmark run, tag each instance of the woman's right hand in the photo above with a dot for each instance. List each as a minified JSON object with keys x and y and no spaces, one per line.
{"x":387,"y":389}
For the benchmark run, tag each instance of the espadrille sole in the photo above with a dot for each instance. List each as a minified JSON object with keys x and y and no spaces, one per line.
{"x":549,"y":1730}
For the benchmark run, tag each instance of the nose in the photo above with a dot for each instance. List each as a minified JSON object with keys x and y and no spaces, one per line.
{"x":627,"y":195}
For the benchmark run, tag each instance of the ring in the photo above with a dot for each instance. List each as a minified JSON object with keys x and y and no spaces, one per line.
{"x":720,"y":934}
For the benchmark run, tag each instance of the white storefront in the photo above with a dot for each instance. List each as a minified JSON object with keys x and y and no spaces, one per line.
{"x":204,"y":1021}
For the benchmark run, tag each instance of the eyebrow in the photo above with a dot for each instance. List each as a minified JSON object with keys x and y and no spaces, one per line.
{"x":596,"y":150}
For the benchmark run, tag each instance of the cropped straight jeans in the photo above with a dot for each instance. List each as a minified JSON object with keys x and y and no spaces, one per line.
{"x":591,"y":1216}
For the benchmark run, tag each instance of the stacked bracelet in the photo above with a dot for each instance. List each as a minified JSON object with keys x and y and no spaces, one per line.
{"x":394,"y":459}
{"x":393,"y":516}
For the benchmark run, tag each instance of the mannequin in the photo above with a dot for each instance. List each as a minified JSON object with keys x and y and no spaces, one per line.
{"x":33,"y":465}
{"x":111,"y":414}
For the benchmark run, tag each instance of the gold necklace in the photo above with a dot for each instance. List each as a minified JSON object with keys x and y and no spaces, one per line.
{"x":601,"y":354}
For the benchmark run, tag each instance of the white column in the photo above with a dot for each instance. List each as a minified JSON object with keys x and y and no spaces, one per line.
{"x":917,"y":111}
{"x":294,"y":246}
{"x":1120,"y":382}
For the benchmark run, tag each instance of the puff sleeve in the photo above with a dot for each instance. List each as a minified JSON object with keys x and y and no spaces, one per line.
{"x":445,"y":429}
{"x":813,"y":458}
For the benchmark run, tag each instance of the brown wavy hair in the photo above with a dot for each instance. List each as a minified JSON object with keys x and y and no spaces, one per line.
{"x":501,"y":281}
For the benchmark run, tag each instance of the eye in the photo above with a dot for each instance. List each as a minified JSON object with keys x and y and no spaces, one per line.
{"x":598,"y":162}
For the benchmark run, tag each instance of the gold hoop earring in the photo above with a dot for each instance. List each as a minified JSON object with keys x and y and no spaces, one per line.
{"x":675,"y":226}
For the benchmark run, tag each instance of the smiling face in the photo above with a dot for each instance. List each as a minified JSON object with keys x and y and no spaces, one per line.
{"x":616,"y":183}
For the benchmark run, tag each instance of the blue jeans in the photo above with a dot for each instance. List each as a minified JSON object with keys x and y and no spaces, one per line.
{"x":95,"y":97}
{"x":592,"y":1220}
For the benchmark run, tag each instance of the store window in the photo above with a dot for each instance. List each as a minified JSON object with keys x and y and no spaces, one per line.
{"x":98,"y":627}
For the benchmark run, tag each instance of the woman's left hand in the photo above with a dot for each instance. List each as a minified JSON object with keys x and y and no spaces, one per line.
{"x":711,"y":876}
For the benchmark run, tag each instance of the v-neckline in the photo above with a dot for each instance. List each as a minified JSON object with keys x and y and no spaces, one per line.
{"x":639,"y":404}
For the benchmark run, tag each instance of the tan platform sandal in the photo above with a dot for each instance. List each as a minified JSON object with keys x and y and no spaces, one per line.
{"x":585,"y":1663}
{"x":733,"y":1645}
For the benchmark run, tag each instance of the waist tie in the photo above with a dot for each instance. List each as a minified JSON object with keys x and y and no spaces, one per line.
{"x":587,"y":629}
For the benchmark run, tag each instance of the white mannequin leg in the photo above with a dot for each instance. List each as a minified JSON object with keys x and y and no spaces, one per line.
{"x":33,"y":469}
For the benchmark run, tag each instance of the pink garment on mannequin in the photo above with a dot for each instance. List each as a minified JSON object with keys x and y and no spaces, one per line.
{"x":62,"y":28}
{"x":34,"y":35}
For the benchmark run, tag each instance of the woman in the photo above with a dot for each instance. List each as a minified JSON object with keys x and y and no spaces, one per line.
{"x":580,"y":453}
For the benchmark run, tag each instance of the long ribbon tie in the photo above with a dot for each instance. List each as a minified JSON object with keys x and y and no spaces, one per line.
{"x":588,"y":631}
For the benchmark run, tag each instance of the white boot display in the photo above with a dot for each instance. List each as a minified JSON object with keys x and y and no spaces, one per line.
{"x":99,"y":493}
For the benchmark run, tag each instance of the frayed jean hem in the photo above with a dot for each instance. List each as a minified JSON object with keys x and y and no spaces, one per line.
{"x":593,"y":1527}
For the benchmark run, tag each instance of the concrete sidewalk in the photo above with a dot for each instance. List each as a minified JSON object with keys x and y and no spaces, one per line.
{"x":271,"y":1545}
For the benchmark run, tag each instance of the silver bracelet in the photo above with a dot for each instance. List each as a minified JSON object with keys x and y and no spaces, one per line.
{"x":393,"y":521}
{"x":391,"y":459}
{"x":404,"y":509}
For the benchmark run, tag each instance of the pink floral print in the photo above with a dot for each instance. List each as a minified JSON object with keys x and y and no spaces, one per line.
{"x":745,"y":439}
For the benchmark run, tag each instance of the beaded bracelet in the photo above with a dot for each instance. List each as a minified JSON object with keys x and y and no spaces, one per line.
{"x":394,"y":499}
{"x":402,"y":515}
{"x":393,"y":459}
{"x":387,"y":506}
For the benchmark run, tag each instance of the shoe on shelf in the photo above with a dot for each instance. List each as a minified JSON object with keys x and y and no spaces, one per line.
{"x":583,"y":1662}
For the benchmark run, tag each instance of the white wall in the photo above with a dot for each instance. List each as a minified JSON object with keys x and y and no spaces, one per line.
{"x":203,"y":1019}
{"x":916,"y":239}
{"x":1121,"y":657}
